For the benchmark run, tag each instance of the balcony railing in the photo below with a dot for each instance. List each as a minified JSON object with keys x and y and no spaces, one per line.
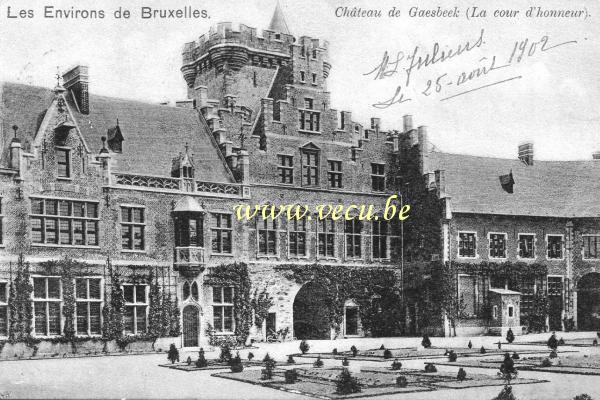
{"x":187,"y":185}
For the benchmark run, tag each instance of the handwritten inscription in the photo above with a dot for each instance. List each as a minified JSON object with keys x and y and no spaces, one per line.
{"x":417,"y":60}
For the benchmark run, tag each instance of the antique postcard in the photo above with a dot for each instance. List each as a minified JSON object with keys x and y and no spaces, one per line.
{"x":292,"y":199}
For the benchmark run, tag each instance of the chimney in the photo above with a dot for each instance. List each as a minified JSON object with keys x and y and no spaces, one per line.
{"x":76,"y":82}
{"x":408,"y":123}
{"x":526,"y":153}
{"x":15,"y":151}
{"x":596,"y":155}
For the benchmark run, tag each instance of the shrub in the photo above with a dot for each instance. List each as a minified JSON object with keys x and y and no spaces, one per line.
{"x":470,"y":345}
{"x":510,"y":336}
{"x":546,"y":362}
{"x":354,"y":350}
{"x":553,"y":354}
{"x":334,"y":352}
{"x":225,"y":355}
{"x":291,"y":360}
{"x":291,"y":375}
{"x":429,"y":367}
{"x":387,"y":354}
{"x":201,"y":362}
{"x":396,"y":365}
{"x":189,"y":361}
{"x":401,"y":381}
{"x":583,"y":396}
{"x":345,"y":362}
{"x":267,"y":359}
{"x":382,"y":347}
{"x":462,"y":374}
{"x":506,"y":394}
{"x":346,"y":383}
{"x":236,"y":363}
{"x":595,"y":342}
{"x":507,"y":368}
{"x":499,"y":345}
{"x":452,"y":356}
{"x":482,"y":350}
{"x":304,"y":346}
{"x":426,"y":343}
{"x":318,"y":363}
{"x":250,"y":356}
{"x":561,"y":342}
{"x":515,"y":356}
{"x":552,"y":342}
{"x":173,"y":354}
{"x":267,"y":371}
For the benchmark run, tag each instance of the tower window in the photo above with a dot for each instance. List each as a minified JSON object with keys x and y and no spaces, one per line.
{"x":378,"y":177}
{"x":314,"y":79}
{"x":285,"y":168}
{"x":314,"y":54}
{"x":310,"y":168}
{"x":335,"y":173}
{"x":302,"y":76}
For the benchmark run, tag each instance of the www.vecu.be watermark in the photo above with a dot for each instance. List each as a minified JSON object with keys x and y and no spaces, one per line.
{"x":362,"y":212}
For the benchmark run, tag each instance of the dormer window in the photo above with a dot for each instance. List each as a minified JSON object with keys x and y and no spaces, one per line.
{"x":183,"y":167}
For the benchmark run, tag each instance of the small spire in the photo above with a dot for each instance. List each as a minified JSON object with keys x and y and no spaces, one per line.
{"x":117,"y":121}
{"x":278,"y":23}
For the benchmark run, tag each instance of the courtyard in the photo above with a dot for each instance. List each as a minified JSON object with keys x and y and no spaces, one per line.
{"x":142,"y":376}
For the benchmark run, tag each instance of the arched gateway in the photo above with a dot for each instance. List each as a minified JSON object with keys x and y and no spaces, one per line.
{"x":311,"y":314}
{"x":588,"y":302}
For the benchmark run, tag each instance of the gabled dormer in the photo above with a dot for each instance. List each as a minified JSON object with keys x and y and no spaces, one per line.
{"x":115,"y":138}
{"x":183,"y":166}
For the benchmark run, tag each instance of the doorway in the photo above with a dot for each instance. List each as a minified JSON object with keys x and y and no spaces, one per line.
{"x":191,"y":326}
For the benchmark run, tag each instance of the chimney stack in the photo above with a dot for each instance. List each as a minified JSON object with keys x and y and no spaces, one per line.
{"x":76,"y":81}
{"x":526,"y":153}
{"x":408,"y":123}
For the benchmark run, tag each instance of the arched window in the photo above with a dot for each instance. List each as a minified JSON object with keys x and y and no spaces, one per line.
{"x":186,"y":290}
{"x":195,"y":295}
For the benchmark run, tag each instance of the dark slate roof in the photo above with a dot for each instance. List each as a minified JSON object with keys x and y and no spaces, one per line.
{"x":568,"y":189}
{"x":153,"y":134}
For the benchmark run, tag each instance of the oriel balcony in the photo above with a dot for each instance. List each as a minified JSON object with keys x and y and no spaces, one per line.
{"x":189,"y":260}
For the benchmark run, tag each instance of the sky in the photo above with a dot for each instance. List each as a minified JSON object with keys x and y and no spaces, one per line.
{"x":549,"y":96}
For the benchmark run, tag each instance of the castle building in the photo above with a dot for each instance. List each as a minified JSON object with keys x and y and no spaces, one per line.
{"x":146,"y":193}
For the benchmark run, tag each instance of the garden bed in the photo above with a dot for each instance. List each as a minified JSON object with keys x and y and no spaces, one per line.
{"x":321,"y":382}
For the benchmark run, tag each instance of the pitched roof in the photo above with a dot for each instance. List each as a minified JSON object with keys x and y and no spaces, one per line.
{"x":568,"y":189}
{"x":278,"y":23}
{"x":153,"y":134}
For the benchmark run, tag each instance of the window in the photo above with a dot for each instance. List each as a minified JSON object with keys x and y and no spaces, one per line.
{"x":221,"y":233}
{"x":47,"y":301}
{"x":511,"y":311}
{"x":314,"y":79}
{"x":378,"y":177}
{"x":314,"y":54}
{"x":267,"y":237}
{"x":3,"y":308}
{"x":380,"y":239}
{"x":554,"y":250}
{"x":353,"y":231}
{"x":190,"y":291}
{"x":285,"y":168}
{"x":302,"y":76}
{"x":63,"y":162}
{"x":591,"y":246}
{"x":309,"y":119}
{"x":526,"y":246}
{"x":467,"y":244}
{"x":223,"y":309}
{"x":335,"y":174}
{"x":495,"y":312}
{"x":88,"y":296}
{"x":297,"y":237}
{"x":64,"y":222}
{"x":310,"y":168}
{"x":326,"y":237}
{"x":497,"y":245}
{"x":133,"y":224}
{"x":136,"y":308}
{"x":189,"y":230}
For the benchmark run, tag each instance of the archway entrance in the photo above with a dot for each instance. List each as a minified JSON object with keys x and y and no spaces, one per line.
{"x":588,"y":302}
{"x":311,"y":314}
{"x":191,"y":326}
